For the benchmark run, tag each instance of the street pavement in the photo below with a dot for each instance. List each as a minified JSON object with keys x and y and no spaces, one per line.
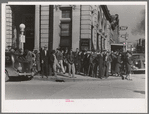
{"x":81,"y":87}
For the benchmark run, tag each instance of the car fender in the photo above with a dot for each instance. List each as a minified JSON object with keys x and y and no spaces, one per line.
{"x":12,"y":71}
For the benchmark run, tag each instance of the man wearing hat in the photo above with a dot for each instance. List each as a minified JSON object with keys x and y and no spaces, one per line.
{"x":54,"y":63}
{"x":92,"y":69}
{"x":44,"y":61}
{"x":107,"y":61}
{"x":71,"y":66}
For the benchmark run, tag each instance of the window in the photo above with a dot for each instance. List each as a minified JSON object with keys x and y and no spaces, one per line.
{"x":65,"y":29}
{"x":66,"y":14}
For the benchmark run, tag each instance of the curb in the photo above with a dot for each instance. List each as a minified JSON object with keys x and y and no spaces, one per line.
{"x":77,"y":79}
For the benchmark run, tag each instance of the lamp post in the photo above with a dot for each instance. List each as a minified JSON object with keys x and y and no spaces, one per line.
{"x":22,"y":37}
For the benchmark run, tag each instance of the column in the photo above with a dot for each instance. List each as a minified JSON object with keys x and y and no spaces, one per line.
{"x":8,"y":21}
{"x":37,"y":17}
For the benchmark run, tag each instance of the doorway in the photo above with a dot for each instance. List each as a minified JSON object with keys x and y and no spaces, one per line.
{"x":28,"y":20}
{"x":24,"y":14}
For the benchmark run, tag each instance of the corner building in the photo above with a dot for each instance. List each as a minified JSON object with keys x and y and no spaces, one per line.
{"x":87,"y":27}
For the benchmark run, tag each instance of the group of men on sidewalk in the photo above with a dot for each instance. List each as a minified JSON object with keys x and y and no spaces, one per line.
{"x":94,"y":63}
{"x":88,"y":63}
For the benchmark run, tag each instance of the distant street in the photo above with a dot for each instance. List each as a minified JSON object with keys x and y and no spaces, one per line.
{"x":79,"y":88}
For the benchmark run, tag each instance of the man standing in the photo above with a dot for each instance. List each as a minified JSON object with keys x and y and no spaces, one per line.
{"x":77,"y":61}
{"x":100,"y":63}
{"x":41,"y":49}
{"x":29,"y":57}
{"x":108,"y":62}
{"x":92,"y":62}
{"x":124,"y":62}
{"x":37,"y":61}
{"x":86,"y":63}
{"x":113,"y":63}
{"x":71,"y":65}
{"x":44,"y":61}
{"x":82,"y":58}
{"x":94,"y":72}
{"x":54,"y":62}
{"x":65,"y":54}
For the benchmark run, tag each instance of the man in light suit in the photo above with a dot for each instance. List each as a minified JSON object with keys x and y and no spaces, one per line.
{"x":54,"y":63}
{"x":44,"y":61}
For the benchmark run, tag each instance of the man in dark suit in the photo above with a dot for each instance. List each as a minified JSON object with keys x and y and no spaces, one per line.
{"x":44,"y":61}
{"x":82,"y":58}
{"x":113,"y":63}
{"x":123,"y":57}
{"x":107,"y":61}
{"x":92,"y":62}
{"x":86,"y":63}
{"x":77,"y":61}
{"x":94,"y":55}
{"x":100,"y":63}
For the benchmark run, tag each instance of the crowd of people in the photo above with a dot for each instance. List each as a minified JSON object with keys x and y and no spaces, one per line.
{"x":88,"y":63}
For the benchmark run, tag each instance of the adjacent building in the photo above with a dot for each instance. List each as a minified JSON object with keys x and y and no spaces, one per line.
{"x":141,"y":45}
{"x":87,"y":27}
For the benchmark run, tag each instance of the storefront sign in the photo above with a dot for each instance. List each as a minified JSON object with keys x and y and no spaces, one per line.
{"x":123,"y":27}
{"x":123,"y":35}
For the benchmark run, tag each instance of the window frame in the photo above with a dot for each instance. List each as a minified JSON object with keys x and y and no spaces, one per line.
{"x":66,"y":10}
{"x":69,"y":32}
{"x":66,"y":21}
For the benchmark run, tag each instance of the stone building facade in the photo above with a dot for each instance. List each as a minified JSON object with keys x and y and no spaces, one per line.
{"x":87,"y":27}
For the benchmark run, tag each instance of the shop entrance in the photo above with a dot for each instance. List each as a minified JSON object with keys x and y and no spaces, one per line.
{"x":24,"y":14}
{"x":28,"y":20}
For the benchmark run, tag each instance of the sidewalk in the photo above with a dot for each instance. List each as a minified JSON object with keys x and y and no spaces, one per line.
{"x":66,"y":78}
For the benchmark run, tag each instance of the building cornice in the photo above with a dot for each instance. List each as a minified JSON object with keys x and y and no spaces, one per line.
{"x":106,"y":12}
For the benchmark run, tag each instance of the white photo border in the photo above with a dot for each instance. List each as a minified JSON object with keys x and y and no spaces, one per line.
{"x":78,"y":105}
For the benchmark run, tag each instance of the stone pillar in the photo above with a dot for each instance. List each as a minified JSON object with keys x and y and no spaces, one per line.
{"x":8,"y":22}
{"x":37,"y":17}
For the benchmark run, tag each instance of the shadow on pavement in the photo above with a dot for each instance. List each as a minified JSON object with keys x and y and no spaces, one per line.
{"x":142,"y":92}
{"x":138,"y":72}
{"x":59,"y":80}
{"x":19,"y":78}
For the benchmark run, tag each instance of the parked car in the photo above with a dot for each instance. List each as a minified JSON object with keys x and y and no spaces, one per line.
{"x":138,"y":62}
{"x":16,"y":67}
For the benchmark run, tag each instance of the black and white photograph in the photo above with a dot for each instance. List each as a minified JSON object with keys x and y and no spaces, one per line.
{"x":74,"y":57}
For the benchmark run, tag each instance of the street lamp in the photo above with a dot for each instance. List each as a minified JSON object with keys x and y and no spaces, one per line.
{"x":22,"y":27}
{"x":22,"y":37}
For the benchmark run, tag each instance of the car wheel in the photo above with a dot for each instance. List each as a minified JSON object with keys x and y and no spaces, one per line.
{"x":6,"y":76}
{"x":30,"y":77}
